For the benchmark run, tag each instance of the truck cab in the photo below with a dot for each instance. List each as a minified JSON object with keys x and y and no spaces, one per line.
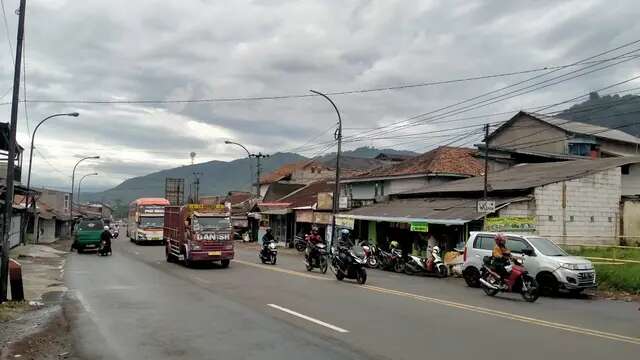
{"x":198,"y":233}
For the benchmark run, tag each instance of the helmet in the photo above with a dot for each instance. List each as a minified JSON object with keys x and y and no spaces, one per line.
{"x":106,"y":227}
{"x":500,"y":239}
{"x":394,"y":244}
{"x":344,"y":232}
{"x":314,"y":229}
{"x":268,"y":229}
{"x":436,"y":250}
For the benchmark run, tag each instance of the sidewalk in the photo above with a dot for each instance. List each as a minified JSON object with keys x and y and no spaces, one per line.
{"x":37,"y":327}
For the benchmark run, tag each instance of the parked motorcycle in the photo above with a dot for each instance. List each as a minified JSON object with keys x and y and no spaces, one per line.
{"x":317,"y":258}
{"x":300,"y":243}
{"x":397,"y":260}
{"x":268,"y":253}
{"x":370,"y":253}
{"x":433,"y":266}
{"x":350,"y":264}
{"x":385,"y":259}
{"x":105,"y":248}
{"x":518,"y":281}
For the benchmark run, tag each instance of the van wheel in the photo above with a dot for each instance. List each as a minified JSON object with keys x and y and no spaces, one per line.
{"x":471,"y":276}
{"x":547,"y":283}
{"x":225,"y":263}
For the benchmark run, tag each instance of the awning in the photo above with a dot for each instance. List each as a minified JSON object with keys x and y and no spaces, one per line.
{"x":275,"y":212}
{"x":446,"y":211}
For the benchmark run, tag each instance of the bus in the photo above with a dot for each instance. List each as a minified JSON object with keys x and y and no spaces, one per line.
{"x":146,"y":220}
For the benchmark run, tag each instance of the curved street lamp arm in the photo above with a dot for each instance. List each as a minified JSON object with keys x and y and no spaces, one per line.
{"x":242,"y":146}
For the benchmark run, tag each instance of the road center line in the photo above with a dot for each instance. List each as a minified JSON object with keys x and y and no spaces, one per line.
{"x":308,"y":318}
{"x":477,"y":309}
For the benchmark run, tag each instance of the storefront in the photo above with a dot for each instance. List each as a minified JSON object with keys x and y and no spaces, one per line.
{"x":307,"y":218}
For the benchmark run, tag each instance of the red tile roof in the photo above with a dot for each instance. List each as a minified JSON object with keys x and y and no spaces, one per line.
{"x":442,"y":160}
{"x":288,"y":169}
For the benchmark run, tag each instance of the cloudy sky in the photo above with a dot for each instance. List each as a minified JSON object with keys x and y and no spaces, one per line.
{"x":120,"y":50}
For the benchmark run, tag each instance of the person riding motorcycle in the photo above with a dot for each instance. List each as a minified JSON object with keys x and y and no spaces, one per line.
{"x":106,"y":237}
{"x":312,"y":240}
{"x":267,"y":238}
{"x":500,"y":256}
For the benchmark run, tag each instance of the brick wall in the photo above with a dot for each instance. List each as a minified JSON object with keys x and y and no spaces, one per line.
{"x":592,"y":211}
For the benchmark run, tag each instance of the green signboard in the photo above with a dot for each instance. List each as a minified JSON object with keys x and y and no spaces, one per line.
{"x":510,"y":223}
{"x":419,"y":226}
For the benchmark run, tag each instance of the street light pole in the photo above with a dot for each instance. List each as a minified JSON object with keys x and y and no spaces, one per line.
{"x":249,"y":156}
{"x":73,"y":178}
{"x":336,"y":192}
{"x":80,"y":183}
{"x":28,"y":197}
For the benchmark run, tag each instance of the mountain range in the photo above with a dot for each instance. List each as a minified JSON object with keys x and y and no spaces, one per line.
{"x":220,"y":177}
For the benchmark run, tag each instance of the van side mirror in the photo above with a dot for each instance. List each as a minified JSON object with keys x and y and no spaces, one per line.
{"x":529,"y":252}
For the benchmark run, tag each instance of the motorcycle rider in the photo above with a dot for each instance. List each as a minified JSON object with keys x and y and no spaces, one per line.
{"x":266,"y":239}
{"x":106,"y":237}
{"x":500,"y":256}
{"x":312,"y":240}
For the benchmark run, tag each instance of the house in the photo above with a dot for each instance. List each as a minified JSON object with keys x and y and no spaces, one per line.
{"x":53,"y":216}
{"x":532,"y":137}
{"x":303,"y":172}
{"x":435,"y":167}
{"x":296,"y":212}
{"x":570,"y":202}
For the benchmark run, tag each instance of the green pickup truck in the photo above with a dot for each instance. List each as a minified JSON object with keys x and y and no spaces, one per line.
{"x":87,"y":235}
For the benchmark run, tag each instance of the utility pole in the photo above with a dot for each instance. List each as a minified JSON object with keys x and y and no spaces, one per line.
{"x":258,"y":156}
{"x":486,"y":159}
{"x":196,"y":185}
{"x":8,"y":199}
{"x":336,"y":192}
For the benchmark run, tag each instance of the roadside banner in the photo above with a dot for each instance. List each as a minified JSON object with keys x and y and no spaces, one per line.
{"x":344,"y":222}
{"x":510,"y":223}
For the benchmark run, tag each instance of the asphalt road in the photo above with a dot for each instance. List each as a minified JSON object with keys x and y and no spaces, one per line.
{"x":135,"y":305}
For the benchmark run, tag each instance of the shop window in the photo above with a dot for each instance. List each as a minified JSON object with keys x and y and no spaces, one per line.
{"x":571,"y":218}
{"x":550,"y":217}
{"x":66,"y":201}
{"x":610,"y":219}
{"x":592,"y":219}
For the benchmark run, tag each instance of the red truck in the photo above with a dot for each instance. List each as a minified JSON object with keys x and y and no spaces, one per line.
{"x":198,"y":233}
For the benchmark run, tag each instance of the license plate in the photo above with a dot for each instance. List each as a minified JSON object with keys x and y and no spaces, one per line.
{"x":215,"y":253}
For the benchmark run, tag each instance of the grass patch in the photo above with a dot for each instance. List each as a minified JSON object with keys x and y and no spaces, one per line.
{"x":12,"y":309}
{"x":625,"y":277}
{"x":619,"y":277}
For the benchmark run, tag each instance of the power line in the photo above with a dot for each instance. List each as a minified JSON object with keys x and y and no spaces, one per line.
{"x":499,"y":98}
{"x":580,"y":62}
{"x":6,"y":28}
{"x":549,"y":69}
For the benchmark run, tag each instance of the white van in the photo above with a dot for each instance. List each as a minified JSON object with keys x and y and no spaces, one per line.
{"x":552,"y":267}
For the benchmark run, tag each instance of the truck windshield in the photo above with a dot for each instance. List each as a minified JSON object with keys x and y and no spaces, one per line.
{"x":201,"y":223}
{"x":151,"y":222}
{"x":546,"y":246}
{"x":91,"y":225}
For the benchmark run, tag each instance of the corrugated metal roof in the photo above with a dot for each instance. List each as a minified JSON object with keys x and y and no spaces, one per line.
{"x":522,"y":177}
{"x":279,"y":190}
{"x":449,"y":211}
{"x":586,"y":129}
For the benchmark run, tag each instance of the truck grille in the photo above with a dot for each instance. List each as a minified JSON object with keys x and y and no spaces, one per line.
{"x":586,"y":278}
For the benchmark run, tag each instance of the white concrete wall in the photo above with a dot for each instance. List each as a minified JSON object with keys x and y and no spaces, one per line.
{"x":47,"y":230}
{"x":596,"y":196}
{"x":521,"y":209}
{"x":631,"y":182}
{"x":631,"y":221}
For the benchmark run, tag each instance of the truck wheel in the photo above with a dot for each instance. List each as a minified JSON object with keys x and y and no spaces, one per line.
{"x":225,"y":263}
{"x":169,"y":255}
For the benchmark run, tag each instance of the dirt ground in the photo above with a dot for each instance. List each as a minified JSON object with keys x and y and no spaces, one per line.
{"x":38,"y":328}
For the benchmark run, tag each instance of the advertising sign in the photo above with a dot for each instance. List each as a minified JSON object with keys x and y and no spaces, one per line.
{"x":419,"y":226}
{"x":486,"y":206}
{"x":510,"y":224}
{"x":345,"y":223}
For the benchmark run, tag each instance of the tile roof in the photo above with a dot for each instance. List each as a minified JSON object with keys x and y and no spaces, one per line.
{"x":237,"y":197}
{"x":286,"y":170}
{"x":442,"y":160}
{"x":279,"y":190}
{"x":522,"y":177}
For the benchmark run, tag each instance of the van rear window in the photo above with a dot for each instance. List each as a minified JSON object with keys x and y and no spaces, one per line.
{"x":91,"y":225}
{"x":483,"y":241}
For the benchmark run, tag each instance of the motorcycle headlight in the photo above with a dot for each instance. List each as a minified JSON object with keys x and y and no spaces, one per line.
{"x":272,"y":246}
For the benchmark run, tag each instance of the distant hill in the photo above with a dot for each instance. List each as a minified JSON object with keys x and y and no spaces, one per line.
{"x":220,"y":177}
{"x":612,"y":111}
